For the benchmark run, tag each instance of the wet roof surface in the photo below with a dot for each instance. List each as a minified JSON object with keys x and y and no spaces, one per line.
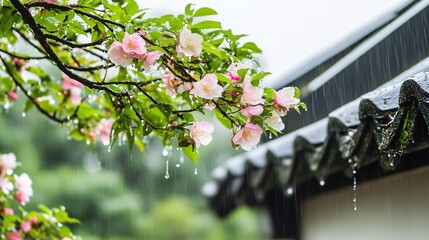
{"x":381,"y":125}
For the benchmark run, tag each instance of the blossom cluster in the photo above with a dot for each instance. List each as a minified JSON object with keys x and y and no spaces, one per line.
{"x":8,"y":182}
{"x":19,"y":188}
{"x":247,"y":95}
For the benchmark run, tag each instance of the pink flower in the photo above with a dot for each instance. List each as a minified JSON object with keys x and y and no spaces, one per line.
{"x":34,"y":220}
{"x":13,"y":96}
{"x":248,"y":137}
{"x":153,"y":56}
{"x":118,"y":56}
{"x":49,"y":1}
{"x":74,"y":87}
{"x":174,"y":85}
{"x":68,"y":83}
{"x":6,"y":185}
{"x":185,"y":86}
{"x":201,"y":133}
{"x":26,"y":226}
{"x":210,"y":107}
{"x":8,"y":211}
{"x":75,"y":96}
{"x":18,"y":61}
{"x":252,"y":111}
{"x":7,"y":162}
{"x":275,"y":122}
{"x":149,"y":62}
{"x":134,"y":45}
{"x":190,"y":44}
{"x":207,"y":88}
{"x":23,"y":185}
{"x":14,"y":236}
{"x":251,"y":95}
{"x":103,"y":129}
{"x":285,"y":100}
{"x":233,"y":69}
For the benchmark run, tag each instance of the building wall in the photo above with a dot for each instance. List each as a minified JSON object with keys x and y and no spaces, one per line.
{"x":392,"y":208}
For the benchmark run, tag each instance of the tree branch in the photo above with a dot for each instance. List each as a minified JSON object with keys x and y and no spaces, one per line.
{"x":38,"y":34}
{"x":22,"y":57}
{"x":43,"y":111}
{"x":74,"y":45}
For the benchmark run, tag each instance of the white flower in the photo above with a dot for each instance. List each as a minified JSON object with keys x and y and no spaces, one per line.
{"x":201,"y":133}
{"x":190,"y":43}
{"x":275,"y":122}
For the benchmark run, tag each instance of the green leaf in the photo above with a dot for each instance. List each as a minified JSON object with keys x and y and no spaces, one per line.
{"x":191,"y":153}
{"x":207,"y":25}
{"x":297,"y":92}
{"x":140,"y":145}
{"x":155,"y":35}
{"x":175,"y":24}
{"x":188,"y":9}
{"x":222,"y":78}
{"x":153,"y":48}
{"x":132,"y":7}
{"x":260,"y":75}
{"x":303,"y":105}
{"x":208,"y":47}
{"x":222,"y":119}
{"x":252,"y":46}
{"x":269,"y":94}
{"x":242,"y":72}
{"x":204,"y":11}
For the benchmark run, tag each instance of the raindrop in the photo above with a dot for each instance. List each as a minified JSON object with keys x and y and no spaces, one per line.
{"x":289,"y":191}
{"x":354,"y":165}
{"x":6,"y":106}
{"x":109,"y":148}
{"x":23,"y":114}
{"x":182,"y":158}
{"x":88,"y":142}
{"x":167,"y":175}
{"x":165,"y":152}
{"x":322,"y":183}
{"x":195,"y":171}
{"x":270,"y":136}
{"x":178,"y":165}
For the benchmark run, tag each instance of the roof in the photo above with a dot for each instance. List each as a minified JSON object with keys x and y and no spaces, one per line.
{"x":380,"y":126}
{"x":372,"y":61}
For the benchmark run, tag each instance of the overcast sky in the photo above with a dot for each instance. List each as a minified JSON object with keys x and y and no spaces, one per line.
{"x":290,"y":32}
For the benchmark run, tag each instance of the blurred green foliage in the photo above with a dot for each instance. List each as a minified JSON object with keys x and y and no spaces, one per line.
{"x":120,"y":194}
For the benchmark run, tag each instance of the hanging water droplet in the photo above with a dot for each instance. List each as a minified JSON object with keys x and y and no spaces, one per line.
{"x":23,"y":114}
{"x":354,"y":165}
{"x":182,"y":158}
{"x":6,"y":106}
{"x":178,"y":165}
{"x":165,"y":152}
{"x":167,"y":175}
{"x":289,"y":191}
{"x":195,"y":171}
{"x":109,"y":148}
{"x":270,"y":136}
{"x":88,"y":142}
{"x":322,"y":183}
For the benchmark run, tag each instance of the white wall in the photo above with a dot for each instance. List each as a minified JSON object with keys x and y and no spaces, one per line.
{"x":393,"y":208}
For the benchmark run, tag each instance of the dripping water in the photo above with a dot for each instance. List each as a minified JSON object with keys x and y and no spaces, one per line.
{"x":195,"y":171}
{"x":167,"y":175}
{"x":353,"y":164}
